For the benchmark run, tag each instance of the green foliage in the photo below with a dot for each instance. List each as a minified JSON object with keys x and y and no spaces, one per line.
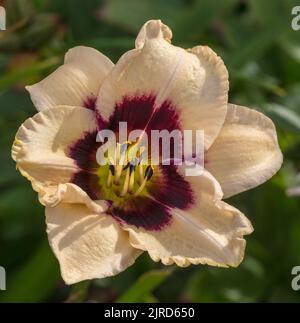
{"x":144,"y":286}
{"x":262,"y":53}
{"x":36,"y":279}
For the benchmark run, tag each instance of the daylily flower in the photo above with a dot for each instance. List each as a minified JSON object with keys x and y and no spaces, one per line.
{"x":96,"y":231}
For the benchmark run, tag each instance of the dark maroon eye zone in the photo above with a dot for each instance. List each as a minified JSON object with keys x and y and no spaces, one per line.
{"x":172,"y":189}
{"x":143,"y":213}
{"x":153,"y":213}
{"x":135,"y":111}
{"x":88,"y":182}
{"x":84,"y":150}
{"x":150,"y":213}
{"x":169,"y":190}
{"x":140,"y":113}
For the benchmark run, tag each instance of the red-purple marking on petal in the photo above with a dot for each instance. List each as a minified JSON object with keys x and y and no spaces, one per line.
{"x":84,"y":150}
{"x":174,"y":191}
{"x":164,"y":117}
{"x":140,"y":113}
{"x":87,"y":182}
{"x":136,"y":111}
{"x":143,"y":213}
{"x":170,"y":190}
{"x":101,"y":123}
{"x":90,"y":103}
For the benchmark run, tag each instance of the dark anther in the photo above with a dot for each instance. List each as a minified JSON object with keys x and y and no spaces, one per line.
{"x":149,"y":172}
{"x":112,"y":169}
{"x":125,"y":146}
{"x":132,"y":168}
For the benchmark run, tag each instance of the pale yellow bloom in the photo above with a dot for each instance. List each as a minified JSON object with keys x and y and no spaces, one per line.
{"x":176,"y":219}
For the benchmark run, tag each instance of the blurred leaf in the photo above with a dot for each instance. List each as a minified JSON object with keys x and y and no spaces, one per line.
{"x":254,"y":47}
{"x":274,"y":25}
{"x":124,"y":43}
{"x":132,"y":14}
{"x":293,"y":49}
{"x":40,"y":4}
{"x":220,"y":285}
{"x":35,"y":281}
{"x":10,"y":79}
{"x":252,"y":75}
{"x":284,"y":117}
{"x":191,"y":23}
{"x":82,"y":17}
{"x":274,"y":10}
{"x":18,"y":10}
{"x":79,"y":292}
{"x":40,"y":30}
{"x":10,"y":41}
{"x":145,"y":285}
{"x":292,"y":98}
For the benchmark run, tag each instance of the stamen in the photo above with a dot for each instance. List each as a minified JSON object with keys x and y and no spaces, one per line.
{"x":140,"y":164}
{"x":111,"y":173}
{"x":112,"y":169}
{"x":125,"y":167}
{"x":119,"y":169}
{"x":122,"y":151}
{"x":141,"y":173}
{"x":118,"y":152}
{"x":126,"y":183}
{"x":116,"y":168}
{"x":131,"y":179}
{"x":125,"y":146}
{"x":148,"y":174}
{"x":140,"y":189}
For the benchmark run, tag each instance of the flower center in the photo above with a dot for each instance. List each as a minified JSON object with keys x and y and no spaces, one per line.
{"x":126,"y":174}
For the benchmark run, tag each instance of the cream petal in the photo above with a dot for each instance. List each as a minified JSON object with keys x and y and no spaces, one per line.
{"x":87,"y":245}
{"x":194,"y":81}
{"x":142,"y":35}
{"x":210,"y":232}
{"x":246,"y":152}
{"x":42,"y":143}
{"x":74,"y":83}
{"x":70,"y":193}
{"x":204,"y":182}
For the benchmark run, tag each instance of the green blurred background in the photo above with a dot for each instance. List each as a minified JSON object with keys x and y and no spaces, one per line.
{"x":262,"y":53}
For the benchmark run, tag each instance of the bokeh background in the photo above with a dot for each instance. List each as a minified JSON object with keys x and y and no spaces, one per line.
{"x":262,"y":53}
